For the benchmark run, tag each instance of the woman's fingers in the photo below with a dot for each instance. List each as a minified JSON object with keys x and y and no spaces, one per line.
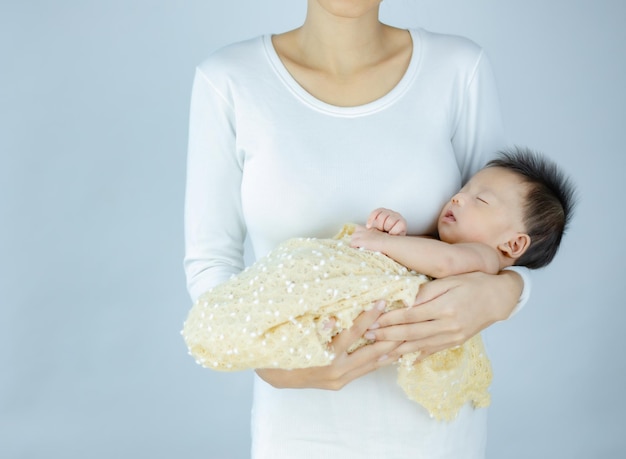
{"x":367,"y":359}
{"x":427,"y":337}
{"x":425,"y":308}
{"x":346,"y":367}
{"x":345,"y":339}
{"x":410,"y":315}
{"x":426,"y":346}
{"x":417,"y":331}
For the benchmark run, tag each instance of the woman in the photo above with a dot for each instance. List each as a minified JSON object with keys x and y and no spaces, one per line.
{"x":298,"y":133}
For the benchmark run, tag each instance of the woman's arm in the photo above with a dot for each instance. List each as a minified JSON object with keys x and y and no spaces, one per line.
{"x":345,"y":367}
{"x":447,"y":312}
{"x":213,"y":252}
{"x":429,"y":256}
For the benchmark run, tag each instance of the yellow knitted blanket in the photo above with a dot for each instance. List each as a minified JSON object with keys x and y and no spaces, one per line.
{"x":275,"y":314}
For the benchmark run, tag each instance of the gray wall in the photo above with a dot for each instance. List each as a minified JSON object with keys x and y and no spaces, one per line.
{"x":93,"y":118}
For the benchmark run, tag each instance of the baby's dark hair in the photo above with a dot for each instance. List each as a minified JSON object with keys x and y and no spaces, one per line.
{"x":549,"y":203}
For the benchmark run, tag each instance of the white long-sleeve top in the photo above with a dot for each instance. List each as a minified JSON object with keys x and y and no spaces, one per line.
{"x":268,"y":160}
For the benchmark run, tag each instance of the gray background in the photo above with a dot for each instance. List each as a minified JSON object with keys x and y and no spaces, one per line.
{"x":94,"y":100}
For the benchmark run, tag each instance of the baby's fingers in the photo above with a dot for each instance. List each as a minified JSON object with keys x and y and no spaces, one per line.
{"x":373,"y":219}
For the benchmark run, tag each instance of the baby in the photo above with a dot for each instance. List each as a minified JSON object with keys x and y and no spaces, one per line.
{"x":512,"y":212}
{"x":283,"y":311}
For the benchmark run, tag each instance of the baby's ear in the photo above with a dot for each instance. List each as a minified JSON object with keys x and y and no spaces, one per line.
{"x":516,"y":246}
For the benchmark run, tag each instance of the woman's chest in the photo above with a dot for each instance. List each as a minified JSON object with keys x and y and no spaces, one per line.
{"x":309,"y":178}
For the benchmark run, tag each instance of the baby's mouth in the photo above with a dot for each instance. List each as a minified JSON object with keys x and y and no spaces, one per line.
{"x":449,"y":215}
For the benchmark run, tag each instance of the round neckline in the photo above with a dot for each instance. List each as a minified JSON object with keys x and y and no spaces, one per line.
{"x":357,"y":110}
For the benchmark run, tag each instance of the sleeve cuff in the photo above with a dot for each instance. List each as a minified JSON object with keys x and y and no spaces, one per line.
{"x":525,"y":295}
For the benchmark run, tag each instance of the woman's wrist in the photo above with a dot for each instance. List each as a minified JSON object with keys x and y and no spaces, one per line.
{"x":280,"y":379}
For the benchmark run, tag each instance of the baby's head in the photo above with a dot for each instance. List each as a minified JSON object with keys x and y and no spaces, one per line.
{"x":520,"y":204}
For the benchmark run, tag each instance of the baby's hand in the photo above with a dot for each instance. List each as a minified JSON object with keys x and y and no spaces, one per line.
{"x":370,"y":239}
{"x":388,"y":221}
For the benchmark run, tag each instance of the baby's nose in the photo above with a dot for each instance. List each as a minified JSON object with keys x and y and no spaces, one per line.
{"x":458,"y":199}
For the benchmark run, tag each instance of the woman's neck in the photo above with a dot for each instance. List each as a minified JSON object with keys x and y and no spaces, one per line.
{"x":341,"y":42}
{"x":345,"y":57}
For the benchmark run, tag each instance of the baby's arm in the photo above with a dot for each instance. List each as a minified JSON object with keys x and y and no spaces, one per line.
{"x":386,"y":231}
{"x":429,"y":256}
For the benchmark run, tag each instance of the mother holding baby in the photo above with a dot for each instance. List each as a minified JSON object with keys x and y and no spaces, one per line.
{"x":297,"y":133}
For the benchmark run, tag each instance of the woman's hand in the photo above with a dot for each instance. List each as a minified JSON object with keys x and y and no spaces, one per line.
{"x":345,"y":367}
{"x":447,"y":312}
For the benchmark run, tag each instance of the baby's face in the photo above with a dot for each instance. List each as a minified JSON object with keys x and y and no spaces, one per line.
{"x":488,"y":209}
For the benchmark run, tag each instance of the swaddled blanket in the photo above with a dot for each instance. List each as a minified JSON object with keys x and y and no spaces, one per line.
{"x":276,"y":314}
